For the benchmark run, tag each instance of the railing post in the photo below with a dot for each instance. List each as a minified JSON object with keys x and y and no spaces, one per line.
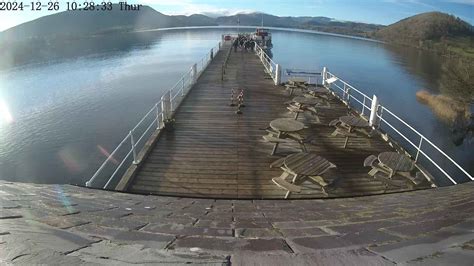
{"x":166,"y":106}
{"x":348,"y":95}
{"x":278,"y":74}
{"x":324,"y":75}
{"x":373,"y":111}
{"x":344,"y":91}
{"x":157,"y":116}
{"x":132,"y":140}
{"x":363,"y":107}
{"x":182,"y":87}
{"x":194,"y":73}
{"x":418,"y":150}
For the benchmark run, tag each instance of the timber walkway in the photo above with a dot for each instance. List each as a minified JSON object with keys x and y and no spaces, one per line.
{"x":213,"y":152}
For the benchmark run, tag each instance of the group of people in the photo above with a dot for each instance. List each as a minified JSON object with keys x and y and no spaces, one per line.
{"x":244,"y":43}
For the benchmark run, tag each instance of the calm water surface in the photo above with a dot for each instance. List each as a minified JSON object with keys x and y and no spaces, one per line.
{"x":78,"y":101}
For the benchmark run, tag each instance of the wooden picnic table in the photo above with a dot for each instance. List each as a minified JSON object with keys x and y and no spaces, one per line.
{"x":284,"y":125}
{"x":354,"y":122}
{"x":318,"y":90}
{"x":306,"y":100}
{"x":286,"y":129}
{"x":395,"y":162}
{"x":304,"y":104}
{"x":303,"y":165}
{"x":297,"y":81}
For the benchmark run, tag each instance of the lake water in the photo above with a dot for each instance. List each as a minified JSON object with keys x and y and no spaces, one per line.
{"x":75,"y":101}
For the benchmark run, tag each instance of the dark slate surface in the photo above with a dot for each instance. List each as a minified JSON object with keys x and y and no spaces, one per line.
{"x":68,"y":225}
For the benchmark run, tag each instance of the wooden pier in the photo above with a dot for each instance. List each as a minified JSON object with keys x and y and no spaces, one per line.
{"x":214,"y":152}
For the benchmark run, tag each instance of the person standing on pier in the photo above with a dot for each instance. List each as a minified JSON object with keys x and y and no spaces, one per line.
{"x":235,"y":45}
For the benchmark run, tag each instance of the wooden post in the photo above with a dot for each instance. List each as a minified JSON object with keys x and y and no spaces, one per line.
{"x":278,"y":74}
{"x":373,"y":120}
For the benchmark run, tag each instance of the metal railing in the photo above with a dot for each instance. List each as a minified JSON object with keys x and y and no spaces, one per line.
{"x":226,"y":60}
{"x":128,"y":150}
{"x":313,"y":76}
{"x":414,"y":144}
{"x":349,"y":95}
{"x":271,"y":67}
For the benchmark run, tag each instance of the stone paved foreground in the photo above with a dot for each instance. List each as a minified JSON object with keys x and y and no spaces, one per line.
{"x":62,"y":224}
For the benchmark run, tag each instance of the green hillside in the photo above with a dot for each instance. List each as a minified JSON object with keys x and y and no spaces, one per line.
{"x":434,"y":31}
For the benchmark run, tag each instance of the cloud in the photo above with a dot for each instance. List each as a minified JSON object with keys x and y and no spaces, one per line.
{"x":407,"y":3}
{"x":464,"y":2}
{"x":189,"y":7}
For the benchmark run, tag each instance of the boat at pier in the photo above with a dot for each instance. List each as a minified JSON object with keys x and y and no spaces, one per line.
{"x":263,"y":38}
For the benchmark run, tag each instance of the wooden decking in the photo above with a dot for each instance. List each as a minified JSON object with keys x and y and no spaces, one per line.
{"x":213,"y":152}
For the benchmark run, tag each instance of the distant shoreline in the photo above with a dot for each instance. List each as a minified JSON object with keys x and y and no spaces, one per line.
{"x":271,"y":28}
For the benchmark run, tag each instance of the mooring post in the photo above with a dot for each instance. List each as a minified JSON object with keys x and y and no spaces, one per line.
{"x":278,"y":74}
{"x":194,"y":73}
{"x":373,"y":120}
{"x":324,"y":75}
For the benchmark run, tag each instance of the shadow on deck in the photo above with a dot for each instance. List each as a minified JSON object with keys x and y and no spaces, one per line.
{"x":213,"y":152}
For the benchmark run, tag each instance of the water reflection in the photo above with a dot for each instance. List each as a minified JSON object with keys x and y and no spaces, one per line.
{"x":454,"y":113}
{"x":448,"y":90}
{"x":74,"y":100}
{"x":455,"y":103}
{"x":58,"y":49}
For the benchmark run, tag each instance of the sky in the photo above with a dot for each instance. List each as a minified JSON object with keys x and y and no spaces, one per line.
{"x":370,"y":11}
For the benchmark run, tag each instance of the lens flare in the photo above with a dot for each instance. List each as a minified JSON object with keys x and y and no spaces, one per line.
{"x":107,"y":154}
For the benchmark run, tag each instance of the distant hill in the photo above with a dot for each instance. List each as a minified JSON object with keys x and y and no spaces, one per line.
{"x":434,"y":30}
{"x":311,"y":23}
{"x":80,"y":23}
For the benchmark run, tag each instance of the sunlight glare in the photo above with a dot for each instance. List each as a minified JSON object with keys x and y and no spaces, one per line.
{"x":5,"y":115}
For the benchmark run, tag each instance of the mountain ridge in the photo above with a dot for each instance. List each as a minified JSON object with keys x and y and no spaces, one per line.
{"x":432,"y":30}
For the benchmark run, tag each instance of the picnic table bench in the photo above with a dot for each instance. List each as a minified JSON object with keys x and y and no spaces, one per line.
{"x":303,"y":104}
{"x":284,"y":130}
{"x":387,"y":164}
{"x":345,"y":126}
{"x":302,"y":166}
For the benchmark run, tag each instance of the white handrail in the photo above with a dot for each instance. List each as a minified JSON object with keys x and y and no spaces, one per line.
{"x":267,"y":62}
{"x":181,"y":87}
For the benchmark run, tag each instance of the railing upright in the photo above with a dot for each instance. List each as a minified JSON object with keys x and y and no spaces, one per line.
{"x":134,"y":151}
{"x":418,"y":149}
{"x":157,"y":116}
{"x":182,"y":88}
{"x":373,"y":112}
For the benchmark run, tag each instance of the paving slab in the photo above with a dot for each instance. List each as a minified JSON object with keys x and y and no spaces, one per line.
{"x":117,"y":229}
